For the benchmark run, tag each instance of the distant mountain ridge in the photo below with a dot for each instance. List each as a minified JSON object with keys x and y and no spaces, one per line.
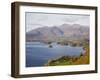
{"x":54,"y":33}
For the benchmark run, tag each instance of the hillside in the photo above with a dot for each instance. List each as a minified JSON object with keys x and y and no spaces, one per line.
{"x":56,"y":33}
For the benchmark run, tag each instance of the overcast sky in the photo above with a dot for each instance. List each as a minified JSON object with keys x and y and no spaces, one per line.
{"x":35,"y":20}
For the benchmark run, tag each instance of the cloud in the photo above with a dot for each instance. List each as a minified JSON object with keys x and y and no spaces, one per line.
{"x":48,"y":19}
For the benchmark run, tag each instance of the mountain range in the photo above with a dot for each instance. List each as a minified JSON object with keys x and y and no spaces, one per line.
{"x":62,"y":32}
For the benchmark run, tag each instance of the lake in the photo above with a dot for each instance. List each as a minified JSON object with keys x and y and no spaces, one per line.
{"x":38,"y":54}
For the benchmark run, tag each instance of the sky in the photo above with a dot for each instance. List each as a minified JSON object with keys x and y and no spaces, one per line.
{"x":35,"y":20}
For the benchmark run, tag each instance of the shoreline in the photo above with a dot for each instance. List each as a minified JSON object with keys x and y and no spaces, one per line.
{"x":70,"y":60}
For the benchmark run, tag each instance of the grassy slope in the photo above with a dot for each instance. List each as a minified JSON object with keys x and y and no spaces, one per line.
{"x":85,"y":58}
{"x":67,"y":60}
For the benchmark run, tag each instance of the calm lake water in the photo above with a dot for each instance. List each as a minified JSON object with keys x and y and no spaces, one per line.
{"x":37,"y":54}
